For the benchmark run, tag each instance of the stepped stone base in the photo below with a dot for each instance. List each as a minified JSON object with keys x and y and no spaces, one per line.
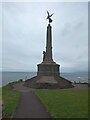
{"x":48,"y":77}
{"x":48,"y":82}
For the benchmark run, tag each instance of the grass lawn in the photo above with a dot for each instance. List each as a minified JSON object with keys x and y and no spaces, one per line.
{"x":65,"y":103}
{"x":10,"y":99}
{"x":0,"y":93}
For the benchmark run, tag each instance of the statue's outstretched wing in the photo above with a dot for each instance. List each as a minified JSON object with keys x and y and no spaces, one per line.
{"x":51,"y":14}
{"x":48,"y":13}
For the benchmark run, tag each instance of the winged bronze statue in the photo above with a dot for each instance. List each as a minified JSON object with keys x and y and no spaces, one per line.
{"x":49,"y":17}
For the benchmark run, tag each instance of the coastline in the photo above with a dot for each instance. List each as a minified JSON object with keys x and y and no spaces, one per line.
{"x":8,"y":77}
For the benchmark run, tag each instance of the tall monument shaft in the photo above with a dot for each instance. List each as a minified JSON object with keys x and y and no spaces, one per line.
{"x":48,"y":54}
{"x":49,"y":43}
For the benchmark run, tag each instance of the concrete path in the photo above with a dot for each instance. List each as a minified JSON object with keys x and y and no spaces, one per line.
{"x":30,"y":106}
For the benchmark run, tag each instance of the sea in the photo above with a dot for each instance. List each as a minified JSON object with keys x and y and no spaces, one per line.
{"x":7,"y":77}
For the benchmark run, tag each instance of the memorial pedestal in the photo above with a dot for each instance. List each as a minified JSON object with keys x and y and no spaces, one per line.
{"x":48,"y":69}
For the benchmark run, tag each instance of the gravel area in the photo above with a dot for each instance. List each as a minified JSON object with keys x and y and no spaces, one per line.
{"x":79,"y":86}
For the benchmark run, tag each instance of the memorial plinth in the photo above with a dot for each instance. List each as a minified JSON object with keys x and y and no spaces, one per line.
{"x":48,"y":67}
{"x":48,"y":72}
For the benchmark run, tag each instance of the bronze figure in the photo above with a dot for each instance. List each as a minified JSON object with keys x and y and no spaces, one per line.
{"x":49,"y":17}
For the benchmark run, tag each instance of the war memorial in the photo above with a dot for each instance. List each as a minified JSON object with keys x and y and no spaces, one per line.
{"x":48,"y":72}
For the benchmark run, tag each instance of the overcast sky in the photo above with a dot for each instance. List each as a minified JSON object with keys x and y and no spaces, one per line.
{"x":24,"y":35}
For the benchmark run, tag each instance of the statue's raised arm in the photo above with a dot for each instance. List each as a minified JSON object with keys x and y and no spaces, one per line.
{"x":49,"y":17}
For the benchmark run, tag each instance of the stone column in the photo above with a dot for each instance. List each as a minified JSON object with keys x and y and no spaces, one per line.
{"x":48,"y":54}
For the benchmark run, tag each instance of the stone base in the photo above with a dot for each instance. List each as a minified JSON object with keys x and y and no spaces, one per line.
{"x":48,"y":77}
{"x":48,"y":82}
{"x":49,"y":69}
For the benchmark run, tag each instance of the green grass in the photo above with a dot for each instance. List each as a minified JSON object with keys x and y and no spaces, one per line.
{"x":0,"y":93}
{"x":65,"y":103}
{"x":10,"y":99}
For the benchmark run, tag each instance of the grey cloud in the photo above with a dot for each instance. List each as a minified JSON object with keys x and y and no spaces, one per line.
{"x":24,"y":34}
{"x":66,"y":30}
{"x":79,"y":57}
{"x":79,"y":25}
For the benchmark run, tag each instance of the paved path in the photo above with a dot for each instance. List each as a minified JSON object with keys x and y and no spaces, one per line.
{"x":30,"y":106}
